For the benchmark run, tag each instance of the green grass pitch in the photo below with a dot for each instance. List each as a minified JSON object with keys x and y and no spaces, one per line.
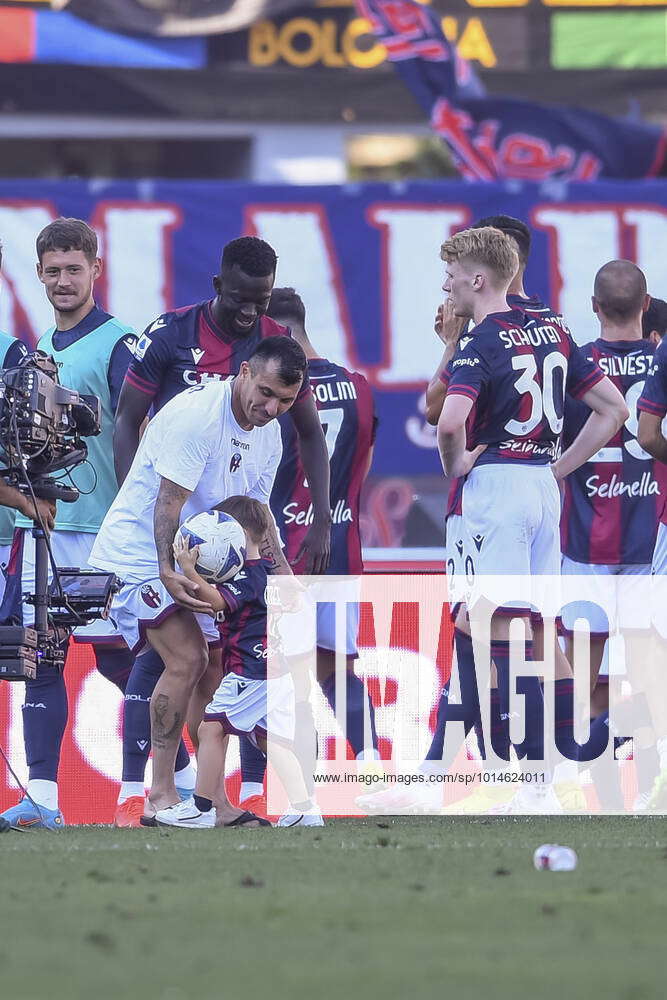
{"x":398,"y":909}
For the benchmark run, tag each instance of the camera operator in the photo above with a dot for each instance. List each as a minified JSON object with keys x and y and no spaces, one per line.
{"x":11,"y":500}
{"x":92,"y":350}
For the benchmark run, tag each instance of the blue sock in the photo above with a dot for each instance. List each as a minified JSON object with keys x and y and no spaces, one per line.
{"x":253,"y":761}
{"x":354,"y":715}
{"x":604,"y":771}
{"x":599,"y":738}
{"x":44,"y":721}
{"x":437,"y":747}
{"x":564,"y":718}
{"x":468,"y":711}
{"x":182,"y":757}
{"x":500,"y":734}
{"x":140,"y":685}
{"x":532,"y":747}
{"x":114,"y":663}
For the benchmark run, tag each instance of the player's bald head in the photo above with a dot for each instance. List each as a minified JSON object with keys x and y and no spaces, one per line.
{"x":619,"y":291}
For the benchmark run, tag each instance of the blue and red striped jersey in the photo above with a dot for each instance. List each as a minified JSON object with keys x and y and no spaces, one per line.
{"x":186,"y":347}
{"x":654,"y":400}
{"x":346,"y":409}
{"x":612,"y":504}
{"x":455,"y":492}
{"x":244,"y":627}
{"x":517,"y":366}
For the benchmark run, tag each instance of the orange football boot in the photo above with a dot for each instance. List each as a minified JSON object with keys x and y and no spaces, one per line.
{"x":129,"y":812}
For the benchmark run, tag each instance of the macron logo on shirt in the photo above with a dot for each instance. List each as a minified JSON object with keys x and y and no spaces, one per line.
{"x":197,"y":354}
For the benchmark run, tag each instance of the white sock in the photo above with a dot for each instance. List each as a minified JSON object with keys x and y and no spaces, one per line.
{"x":129,"y":790}
{"x":367,"y":755}
{"x":44,"y":793}
{"x":662,"y":753}
{"x":186,"y":777}
{"x":249,"y":788}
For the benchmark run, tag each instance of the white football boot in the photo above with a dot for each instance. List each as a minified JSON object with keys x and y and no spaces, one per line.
{"x":531,"y":800}
{"x":399,"y":800}
{"x":311,"y":817}
{"x":187,"y":815}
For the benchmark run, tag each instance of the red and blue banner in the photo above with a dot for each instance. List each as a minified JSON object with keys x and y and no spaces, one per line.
{"x":364,"y":257}
{"x":494,"y":138}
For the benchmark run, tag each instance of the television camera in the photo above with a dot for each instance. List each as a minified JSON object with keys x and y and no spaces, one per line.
{"x":42,"y":429}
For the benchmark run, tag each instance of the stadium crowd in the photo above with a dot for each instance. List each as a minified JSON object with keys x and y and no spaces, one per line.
{"x":555,"y":457}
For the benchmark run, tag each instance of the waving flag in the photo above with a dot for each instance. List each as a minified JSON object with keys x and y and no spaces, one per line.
{"x":494,"y":138}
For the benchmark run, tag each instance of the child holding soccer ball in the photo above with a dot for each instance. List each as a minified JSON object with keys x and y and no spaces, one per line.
{"x":240,"y":704}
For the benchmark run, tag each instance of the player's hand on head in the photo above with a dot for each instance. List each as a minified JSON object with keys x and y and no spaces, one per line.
{"x":315,"y":550}
{"x":185,"y":592}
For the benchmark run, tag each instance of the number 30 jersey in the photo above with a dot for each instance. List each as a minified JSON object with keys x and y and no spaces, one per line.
{"x":345,"y":407}
{"x":517,"y":366}
{"x":612,"y":503}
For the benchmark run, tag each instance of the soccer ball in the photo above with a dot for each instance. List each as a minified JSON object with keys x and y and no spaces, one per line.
{"x":221,"y":541}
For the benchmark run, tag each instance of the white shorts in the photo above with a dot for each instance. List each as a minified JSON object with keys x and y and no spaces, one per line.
{"x":254,"y":707}
{"x":138,"y":607}
{"x":70,"y":548}
{"x":511,"y":516}
{"x":628,"y":602}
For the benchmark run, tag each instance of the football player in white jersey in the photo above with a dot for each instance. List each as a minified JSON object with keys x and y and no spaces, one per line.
{"x":215,"y":440}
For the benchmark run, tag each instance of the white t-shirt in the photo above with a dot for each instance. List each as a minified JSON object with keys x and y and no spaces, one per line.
{"x":195,"y":442}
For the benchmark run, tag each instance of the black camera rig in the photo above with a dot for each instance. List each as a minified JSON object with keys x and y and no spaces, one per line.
{"x":42,"y":427}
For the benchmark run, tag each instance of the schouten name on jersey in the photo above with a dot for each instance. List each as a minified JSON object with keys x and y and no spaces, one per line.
{"x":517,"y":367}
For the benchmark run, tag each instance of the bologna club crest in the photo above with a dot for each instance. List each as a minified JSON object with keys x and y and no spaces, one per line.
{"x":150,"y":596}
{"x":235,"y":463}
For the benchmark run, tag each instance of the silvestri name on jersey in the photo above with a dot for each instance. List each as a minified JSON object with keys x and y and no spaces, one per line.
{"x":612,"y":504}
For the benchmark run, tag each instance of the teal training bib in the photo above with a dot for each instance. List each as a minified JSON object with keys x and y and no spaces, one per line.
{"x":84,"y":366}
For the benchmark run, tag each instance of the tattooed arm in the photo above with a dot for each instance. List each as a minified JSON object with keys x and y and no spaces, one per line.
{"x":270,"y":548}
{"x":166,"y":519}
